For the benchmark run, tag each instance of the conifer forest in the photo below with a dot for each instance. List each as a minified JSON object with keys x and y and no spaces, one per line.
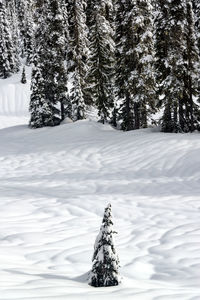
{"x":136,"y":62}
{"x":99,"y":149}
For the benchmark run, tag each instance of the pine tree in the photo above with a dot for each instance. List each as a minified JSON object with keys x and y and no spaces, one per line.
{"x":192,"y":113}
{"x":7,"y":53}
{"x":21,"y":14}
{"x":196,"y":8}
{"x":135,"y":60}
{"x":176,"y":64}
{"x":40,"y":109}
{"x":50,"y":59}
{"x":26,"y":29}
{"x":23,"y":78}
{"x":55,"y":68}
{"x":12,"y":17}
{"x":79,"y":57}
{"x":102,"y":59}
{"x":105,"y":270}
{"x":29,"y":37}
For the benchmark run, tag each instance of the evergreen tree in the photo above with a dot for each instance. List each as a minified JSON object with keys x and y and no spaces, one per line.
{"x":102,"y":59}
{"x":26,"y":29}
{"x":29,"y":37}
{"x":23,"y":78}
{"x":7,"y":53}
{"x":176,"y":64}
{"x":54,"y":65}
{"x":79,"y":57}
{"x":163,"y":69}
{"x":105,"y":270}
{"x":50,"y":64}
{"x":40,"y":109}
{"x":21,"y":14}
{"x":196,"y":8}
{"x":135,"y":60}
{"x":192,"y":113}
{"x":12,"y":17}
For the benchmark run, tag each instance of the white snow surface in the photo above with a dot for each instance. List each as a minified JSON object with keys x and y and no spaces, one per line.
{"x":54,"y":186}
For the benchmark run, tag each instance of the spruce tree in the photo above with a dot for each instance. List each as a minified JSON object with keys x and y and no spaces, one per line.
{"x":50,"y":59}
{"x":196,"y":8}
{"x":163,"y":69}
{"x":29,"y":37}
{"x":7,"y":51}
{"x":21,"y":14}
{"x":40,"y":109}
{"x":105,"y":270}
{"x":14,"y":26}
{"x":78,"y":53}
{"x":102,"y":59}
{"x":135,"y":60}
{"x":26,"y":28}
{"x":23,"y":78}
{"x":54,"y":64}
{"x":192,"y":113}
{"x":176,"y":64}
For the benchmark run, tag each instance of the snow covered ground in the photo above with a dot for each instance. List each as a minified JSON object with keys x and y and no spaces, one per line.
{"x":54,"y":185}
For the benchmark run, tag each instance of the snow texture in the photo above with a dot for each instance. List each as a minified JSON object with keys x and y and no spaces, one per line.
{"x":55,"y":183}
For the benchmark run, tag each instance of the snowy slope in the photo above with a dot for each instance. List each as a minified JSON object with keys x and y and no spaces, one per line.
{"x":14,"y":100}
{"x":55,"y":183}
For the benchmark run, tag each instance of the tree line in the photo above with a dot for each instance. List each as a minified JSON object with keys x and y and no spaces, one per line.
{"x":128,"y":59}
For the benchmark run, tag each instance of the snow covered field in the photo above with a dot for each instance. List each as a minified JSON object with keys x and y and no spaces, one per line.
{"x":54,"y":186}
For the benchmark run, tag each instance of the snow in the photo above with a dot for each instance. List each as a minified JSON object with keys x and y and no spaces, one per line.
{"x":55,"y":184}
{"x":14,"y":96}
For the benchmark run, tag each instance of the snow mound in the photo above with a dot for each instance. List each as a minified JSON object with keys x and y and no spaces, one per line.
{"x":55,"y":184}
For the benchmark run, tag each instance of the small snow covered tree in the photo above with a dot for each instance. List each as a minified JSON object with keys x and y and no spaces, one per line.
{"x":105,"y":270}
{"x":23,"y":79}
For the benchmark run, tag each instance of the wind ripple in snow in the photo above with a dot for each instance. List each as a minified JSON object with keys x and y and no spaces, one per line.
{"x":55,"y":184}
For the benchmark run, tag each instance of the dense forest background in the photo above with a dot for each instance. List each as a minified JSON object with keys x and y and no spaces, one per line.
{"x":131,"y":60}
